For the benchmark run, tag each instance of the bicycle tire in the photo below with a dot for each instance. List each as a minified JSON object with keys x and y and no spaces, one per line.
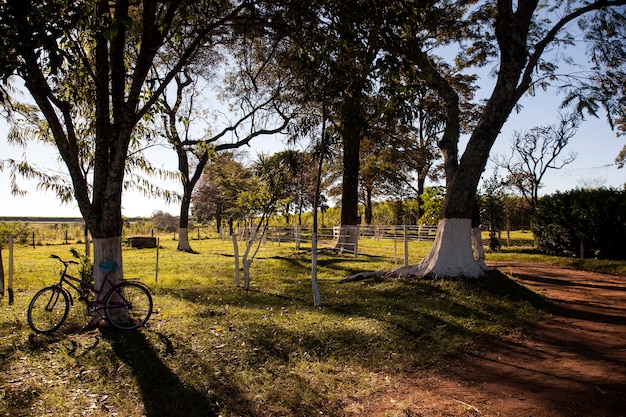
{"x":48,"y":309}
{"x":128,"y":306}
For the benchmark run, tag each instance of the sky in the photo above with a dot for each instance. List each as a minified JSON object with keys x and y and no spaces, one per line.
{"x":37,"y":203}
{"x":595,"y":144}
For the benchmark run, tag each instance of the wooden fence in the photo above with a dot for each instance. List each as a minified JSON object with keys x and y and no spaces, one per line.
{"x":303,"y":234}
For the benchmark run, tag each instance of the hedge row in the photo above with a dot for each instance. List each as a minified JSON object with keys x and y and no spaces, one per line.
{"x":582,"y":223}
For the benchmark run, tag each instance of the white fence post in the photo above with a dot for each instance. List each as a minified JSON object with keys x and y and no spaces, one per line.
{"x":297,"y":237}
{"x":406,"y":245}
{"x":395,"y":248}
{"x":10,"y":282}
{"x":156,"y":268}
{"x":236,"y":254}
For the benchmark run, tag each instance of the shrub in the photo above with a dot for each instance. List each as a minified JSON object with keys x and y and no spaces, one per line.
{"x":584,"y":223}
{"x":20,"y":231}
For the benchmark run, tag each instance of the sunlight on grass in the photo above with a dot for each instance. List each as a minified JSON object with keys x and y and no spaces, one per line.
{"x":213,"y":349}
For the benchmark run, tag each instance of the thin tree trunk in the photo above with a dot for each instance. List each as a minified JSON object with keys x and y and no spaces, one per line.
{"x":317,"y":299}
{"x":236,"y":255}
{"x":247,"y":259}
{"x":1,"y":274}
{"x":183,"y":223}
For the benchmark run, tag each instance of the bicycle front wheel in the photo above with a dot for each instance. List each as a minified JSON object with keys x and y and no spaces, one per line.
{"x":48,"y":309}
{"x":128,"y":306}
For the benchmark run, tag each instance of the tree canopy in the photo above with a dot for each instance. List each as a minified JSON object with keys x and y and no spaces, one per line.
{"x":356,"y":63}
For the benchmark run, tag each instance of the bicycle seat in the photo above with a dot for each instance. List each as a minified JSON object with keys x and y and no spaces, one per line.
{"x":108,"y":266}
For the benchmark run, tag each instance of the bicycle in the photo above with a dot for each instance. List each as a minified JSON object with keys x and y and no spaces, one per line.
{"x":127,"y":305}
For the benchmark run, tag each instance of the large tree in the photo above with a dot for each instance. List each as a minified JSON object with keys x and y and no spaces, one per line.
{"x":193,"y":152}
{"x":334,"y":50}
{"x":534,"y":152}
{"x":520,"y":37}
{"x":105,"y":48}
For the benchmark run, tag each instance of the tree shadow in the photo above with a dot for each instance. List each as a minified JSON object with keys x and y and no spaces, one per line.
{"x":163,"y":393}
{"x":499,"y":283}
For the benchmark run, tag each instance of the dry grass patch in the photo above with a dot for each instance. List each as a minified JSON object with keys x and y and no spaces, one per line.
{"x":212,"y":349}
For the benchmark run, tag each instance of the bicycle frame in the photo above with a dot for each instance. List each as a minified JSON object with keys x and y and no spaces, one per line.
{"x":79,"y":285}
{"x":125,"y":305}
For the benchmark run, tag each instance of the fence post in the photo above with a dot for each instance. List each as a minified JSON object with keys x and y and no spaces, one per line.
{"x":156,"y":270}
{"x":395,"y":248}
{"x":406,"y":245}
{"x":297,"y":236}
{"x":10,"y":283}
{"x":236,"y":254}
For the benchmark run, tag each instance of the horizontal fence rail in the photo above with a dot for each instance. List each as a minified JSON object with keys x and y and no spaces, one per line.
{"x":303,"y":234}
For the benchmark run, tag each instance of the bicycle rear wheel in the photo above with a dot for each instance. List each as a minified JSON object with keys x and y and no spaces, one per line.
{"x":128,"y":306}
{"x":48,"y":309}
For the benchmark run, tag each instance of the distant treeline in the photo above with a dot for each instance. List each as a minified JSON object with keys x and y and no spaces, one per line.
{"x":54,"y":219}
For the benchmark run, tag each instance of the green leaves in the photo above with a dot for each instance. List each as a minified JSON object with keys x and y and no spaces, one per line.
{"x":582,"y":223}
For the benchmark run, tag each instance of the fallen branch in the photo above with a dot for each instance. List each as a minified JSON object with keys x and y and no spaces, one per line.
{"x":468,"y":406}
{"x":360,"y":276}
{"x":381,"y":274}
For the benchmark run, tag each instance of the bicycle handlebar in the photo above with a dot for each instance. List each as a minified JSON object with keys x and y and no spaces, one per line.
{"x":62,"y":261}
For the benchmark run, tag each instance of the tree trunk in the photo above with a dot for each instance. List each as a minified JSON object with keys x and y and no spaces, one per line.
{"x":317,"y":300}
{"x":183,"y":224}
{"x":348,"y":240}
{"x":1,"y":274}
{"x":236,"y":256}
{"x":478,"y":247}
{"x":451,"y":254}
{"x":183,"y":240}
{"x":368,"y":206}
{"x":218,"y":219}
{"x":351,"y":133}
{"x":105,"y":250}
{"x":246,"y":273}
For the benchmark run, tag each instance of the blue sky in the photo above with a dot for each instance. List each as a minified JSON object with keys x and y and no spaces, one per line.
{"x":595,"y":143}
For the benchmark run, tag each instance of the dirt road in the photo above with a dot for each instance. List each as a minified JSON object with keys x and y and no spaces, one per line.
{"x":572,"y":365}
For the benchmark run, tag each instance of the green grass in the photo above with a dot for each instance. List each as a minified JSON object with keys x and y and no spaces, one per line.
{"x":214,"y":349}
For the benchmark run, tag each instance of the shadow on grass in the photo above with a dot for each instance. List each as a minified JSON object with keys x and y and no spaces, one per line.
{"x":498,"y":281}
{"x":163,"y":393}
{"x":347,"y":263}
{"x":499,"y":284}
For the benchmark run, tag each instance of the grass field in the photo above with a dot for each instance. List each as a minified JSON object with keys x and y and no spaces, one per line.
{"x":212,"y":349}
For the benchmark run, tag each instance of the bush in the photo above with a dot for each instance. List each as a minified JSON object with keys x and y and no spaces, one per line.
{"x":584,"y":223}
{"x":21,"y":232}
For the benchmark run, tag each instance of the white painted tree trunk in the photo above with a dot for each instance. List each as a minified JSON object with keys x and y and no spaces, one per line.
{"x":183,"y":239}
{"x":451,"y":254}
{"x":236,"y":254}
{"x":1,"y":274}
{"x":348,"y":239}
{"x":104,"y":250}
{"x":246,"y":273}
{"x":478,"y":248}
{"x":317,"y":300}
{"x":247,"y":259}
